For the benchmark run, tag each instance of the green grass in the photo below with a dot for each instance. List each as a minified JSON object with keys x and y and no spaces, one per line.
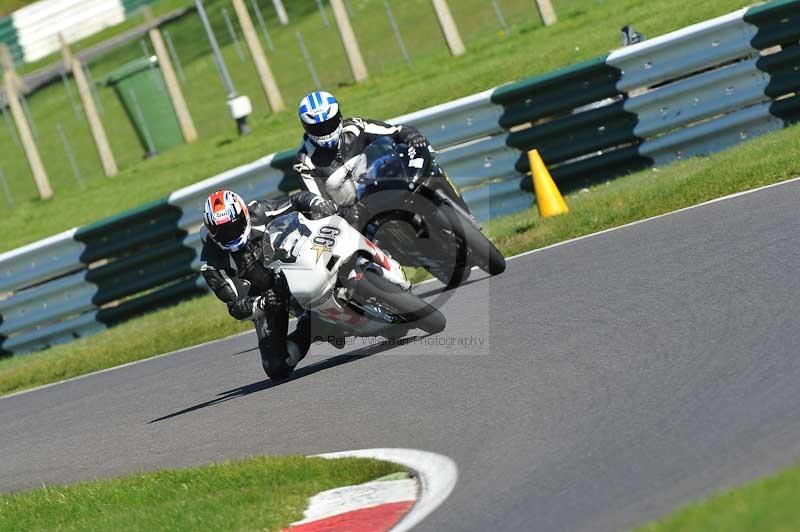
{"x":768,"y":159}
{"x":771,"y":504}
{"x":8,"y":6}
{"x":263,"y":493}
{"x":198,"y":320}
{"x":586,"y":28}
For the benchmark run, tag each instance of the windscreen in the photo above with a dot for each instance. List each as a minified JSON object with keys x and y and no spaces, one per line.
{"x":384,"y":160}
{"x":282,"y":226}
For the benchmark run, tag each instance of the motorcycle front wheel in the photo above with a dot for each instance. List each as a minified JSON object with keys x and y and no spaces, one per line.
{"x":480,"y":250}
{"x":401,"y":304}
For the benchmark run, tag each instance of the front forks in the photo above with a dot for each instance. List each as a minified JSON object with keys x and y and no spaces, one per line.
{"x":362,"y":264}
{"x":465,"y":214}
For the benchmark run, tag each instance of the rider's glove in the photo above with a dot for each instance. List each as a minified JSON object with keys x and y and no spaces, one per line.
{"x":322,"y":208}
{"x":269,"y":302}
{"x":418,"y":141}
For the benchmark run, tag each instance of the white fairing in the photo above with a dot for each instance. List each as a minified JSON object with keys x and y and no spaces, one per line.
{"x":319,"y":248}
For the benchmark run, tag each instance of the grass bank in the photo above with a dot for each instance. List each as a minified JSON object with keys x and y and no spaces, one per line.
{"x":265,"y":493}
{"x":586,"y":28}
{"x":771,"y":504}
{"x":768,"y":159}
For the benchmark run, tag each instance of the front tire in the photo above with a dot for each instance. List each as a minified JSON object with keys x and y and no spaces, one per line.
{"x":402,"y":304}
{"x":481,"y":251}
{"x":276,"y":362}
{"x":275,"y":367}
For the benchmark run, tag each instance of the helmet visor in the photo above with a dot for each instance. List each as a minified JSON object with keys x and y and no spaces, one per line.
{"x":229,"y":233}
{"x":323,"y":129}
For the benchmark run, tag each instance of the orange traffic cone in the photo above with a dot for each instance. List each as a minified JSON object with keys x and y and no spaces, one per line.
{"x":548,"y":198}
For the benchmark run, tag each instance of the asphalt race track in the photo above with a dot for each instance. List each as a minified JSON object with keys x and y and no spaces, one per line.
{"x":619,"y":375}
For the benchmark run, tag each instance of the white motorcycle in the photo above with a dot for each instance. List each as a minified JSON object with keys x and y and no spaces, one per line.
{"x":348,"y":282}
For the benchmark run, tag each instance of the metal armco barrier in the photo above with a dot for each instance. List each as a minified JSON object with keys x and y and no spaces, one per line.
{"x":691,"y":92}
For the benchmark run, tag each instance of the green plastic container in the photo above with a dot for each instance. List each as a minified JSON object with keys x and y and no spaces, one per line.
{"x":143,"y":93}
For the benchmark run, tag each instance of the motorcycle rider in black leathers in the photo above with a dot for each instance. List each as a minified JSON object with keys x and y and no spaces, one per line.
{"x":233,"y":257}
{"x":330,"y":141}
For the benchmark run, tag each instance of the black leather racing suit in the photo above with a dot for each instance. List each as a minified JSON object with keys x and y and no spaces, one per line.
{"x":244,"y":284}
{"x":316,"y":165}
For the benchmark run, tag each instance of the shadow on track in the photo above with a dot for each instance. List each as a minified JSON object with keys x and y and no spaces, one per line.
{"x":440,"y":288}
{"x":299,"y":373}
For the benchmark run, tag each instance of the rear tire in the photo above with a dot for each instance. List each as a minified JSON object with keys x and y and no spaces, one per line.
{"x":404,"y":305}
{"x":459,"y":275}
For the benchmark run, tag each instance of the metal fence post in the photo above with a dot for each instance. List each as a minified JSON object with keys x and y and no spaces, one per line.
{"x":233,"y":35}
{"x":29,"y":115}
{"x":12,"y":133}
{"x":6,"y":189}
{"x":71,"y":96}
{"x":400,"y":42}
{"x":151,"y":149}
{"x":282,"y":16}
{"x":241,"y":122}
{"x":309,"y":62}
{"x":175,"y":57}
{"x":147,"y":54}
{"x":70,"y":156}
{"x":262,"y":25}
{"x":499,"y":13}
{"x":324,"y":14}
{"x":93,"y":88}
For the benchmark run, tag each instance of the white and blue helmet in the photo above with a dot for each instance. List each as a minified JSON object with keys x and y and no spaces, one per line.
{"x":321,"y":118}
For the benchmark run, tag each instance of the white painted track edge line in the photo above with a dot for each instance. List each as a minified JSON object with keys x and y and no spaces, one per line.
{"x":656,"y":217}
{"x":437,"y":475}
{"x":523,"y":254}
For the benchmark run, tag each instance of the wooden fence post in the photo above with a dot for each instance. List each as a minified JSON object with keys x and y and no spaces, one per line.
{"x":546,"y":12}
{"x":354,"y":57}
{"x":12,"y":87}
{"x":173,"y":88}
{"x":449,"y":27}
{"x":72,"y":64}
{"x":271,"y":90}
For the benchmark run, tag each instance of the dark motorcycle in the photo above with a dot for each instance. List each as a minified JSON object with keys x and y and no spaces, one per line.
{"x":408,"y":205}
